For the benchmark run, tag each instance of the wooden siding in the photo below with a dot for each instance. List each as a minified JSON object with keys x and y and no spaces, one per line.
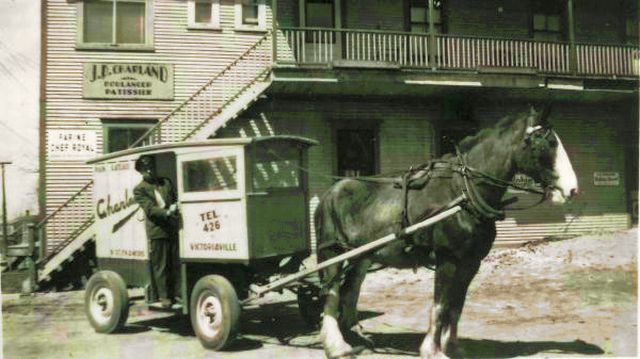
{"x":374,"y":15}
{"x":482,"y":18}
{"x":197,"y":55}
{"x":599,"y":21}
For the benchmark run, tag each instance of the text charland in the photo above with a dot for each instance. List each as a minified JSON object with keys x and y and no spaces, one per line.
{"x":101,"y":71}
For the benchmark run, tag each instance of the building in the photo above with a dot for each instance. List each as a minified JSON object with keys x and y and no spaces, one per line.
{"x":377,"y":82}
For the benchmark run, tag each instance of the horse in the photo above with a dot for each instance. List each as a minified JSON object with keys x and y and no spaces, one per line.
{"x":356,"y":211}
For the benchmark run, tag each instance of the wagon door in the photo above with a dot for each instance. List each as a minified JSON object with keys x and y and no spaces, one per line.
{"x":276,"y":201}
{"x":211,"y":194}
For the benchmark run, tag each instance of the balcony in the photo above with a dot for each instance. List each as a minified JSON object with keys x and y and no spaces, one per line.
{"x":370,"y":48}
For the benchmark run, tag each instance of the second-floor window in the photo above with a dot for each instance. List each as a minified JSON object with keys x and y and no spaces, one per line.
{"x":204,"y":14}
{"x":251,"y":15}
{"x":419,"y":16}
{"x":631,"y":23}
{"x":319,"y":13}
{"x":114,"y":23}
{"x":547,"y":20}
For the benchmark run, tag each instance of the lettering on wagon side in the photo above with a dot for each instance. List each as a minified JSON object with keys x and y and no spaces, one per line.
{"x":105,"y":207}
{"x":214,"y":247}
{"x":210,"y":221}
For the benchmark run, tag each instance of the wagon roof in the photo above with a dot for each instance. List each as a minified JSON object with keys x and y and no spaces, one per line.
{"x":213,"y":142}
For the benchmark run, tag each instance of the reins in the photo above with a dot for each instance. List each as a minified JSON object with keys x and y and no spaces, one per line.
{"x":407,"y":182}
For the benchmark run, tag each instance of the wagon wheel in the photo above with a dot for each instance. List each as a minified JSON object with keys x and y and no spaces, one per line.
{"x":106,"y":302}
{"x":214,"y":311}
{"x":310,"y":304}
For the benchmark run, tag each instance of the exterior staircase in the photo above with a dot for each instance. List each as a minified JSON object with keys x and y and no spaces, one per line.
{"x":69,"y":229}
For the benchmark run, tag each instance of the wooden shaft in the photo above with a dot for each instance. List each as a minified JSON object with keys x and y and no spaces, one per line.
{"x":369,"y":247}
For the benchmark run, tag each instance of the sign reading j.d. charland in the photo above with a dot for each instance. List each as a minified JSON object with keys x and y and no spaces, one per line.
{"x":129,"y":81}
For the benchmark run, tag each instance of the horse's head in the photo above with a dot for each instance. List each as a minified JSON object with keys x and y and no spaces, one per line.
{"x":543,"y":158}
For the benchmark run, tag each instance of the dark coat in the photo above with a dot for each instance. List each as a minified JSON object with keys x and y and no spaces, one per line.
{"x":158,"y":223}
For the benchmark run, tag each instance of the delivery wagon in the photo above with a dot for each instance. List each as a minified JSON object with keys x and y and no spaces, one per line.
{"x":244,"y":218}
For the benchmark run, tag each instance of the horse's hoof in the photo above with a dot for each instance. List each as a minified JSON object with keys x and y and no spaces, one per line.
{"x":438,"y":355}
{"x":344,"y":351}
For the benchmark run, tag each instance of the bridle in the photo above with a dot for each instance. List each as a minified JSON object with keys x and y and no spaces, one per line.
{"x":476,"y":203}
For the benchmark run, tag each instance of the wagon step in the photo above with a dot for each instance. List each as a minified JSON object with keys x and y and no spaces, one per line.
{"x":452,"y":208}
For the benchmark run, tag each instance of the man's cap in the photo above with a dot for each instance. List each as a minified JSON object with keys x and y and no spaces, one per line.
{"x":144,"y":163}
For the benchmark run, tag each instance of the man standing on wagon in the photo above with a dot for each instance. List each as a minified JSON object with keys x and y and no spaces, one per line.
{"x":157,"y":198}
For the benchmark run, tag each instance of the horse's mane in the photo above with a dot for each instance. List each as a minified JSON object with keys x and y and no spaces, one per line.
{"x":502,"y":126}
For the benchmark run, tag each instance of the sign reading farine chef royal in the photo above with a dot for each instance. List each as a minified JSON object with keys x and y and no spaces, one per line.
{"x":127,"y":81}
{"x":71,"y":145}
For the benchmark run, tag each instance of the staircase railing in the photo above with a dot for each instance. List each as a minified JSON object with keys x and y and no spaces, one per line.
{"x":75,"y":215}
{"x":210,"y":99}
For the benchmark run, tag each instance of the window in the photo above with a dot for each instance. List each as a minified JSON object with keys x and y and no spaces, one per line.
{"x":277,"y":167}
{"x":119,"y":135}
{"x":251,"y":15}
{"x":213,"y":174}
{"x":547,"y":20}
{"x":631,"y":23}
{"x":631,"y":31}
{"x":319,"y":13}
{"x":249,"y":12}
{"x":419,"y":16}
{"x":356,"y":152}
{"x":204,"y":14}
{"x":114,"y":24}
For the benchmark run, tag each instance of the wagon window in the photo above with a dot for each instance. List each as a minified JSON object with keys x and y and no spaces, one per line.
{"x":276,"y":167}
{"x":214,"y":174}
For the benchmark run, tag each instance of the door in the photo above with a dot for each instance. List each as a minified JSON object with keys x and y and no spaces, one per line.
{"x":356,"y":152}
{"x":212,"y":204}
{"x":277,"y":210}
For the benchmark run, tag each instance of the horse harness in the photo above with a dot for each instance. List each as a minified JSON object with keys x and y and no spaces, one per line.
{"x":417,"y":178}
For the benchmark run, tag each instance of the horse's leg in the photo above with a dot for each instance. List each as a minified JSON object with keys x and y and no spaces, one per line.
{"x":332,"y":339}
{"x":350,"y":292}
{"x":451,"y":283}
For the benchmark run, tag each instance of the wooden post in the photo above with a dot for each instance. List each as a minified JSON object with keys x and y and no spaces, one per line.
{"x":4,"y":212}
{"x":337,"y":12}
{"x":432,"y":36}
{"x":274,"y":31}
{"x":573,"y":55}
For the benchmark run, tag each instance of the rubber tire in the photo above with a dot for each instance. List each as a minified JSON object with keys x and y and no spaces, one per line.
{"x":310,"y":304}
{"x":218,"y":287}
{"x":111,"y":282}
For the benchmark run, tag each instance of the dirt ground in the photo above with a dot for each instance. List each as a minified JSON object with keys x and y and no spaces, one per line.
{"x":575,"y":297}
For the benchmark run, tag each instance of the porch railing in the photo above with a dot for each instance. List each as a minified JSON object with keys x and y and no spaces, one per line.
{"x":458,"y":52}
{"x":322,"y":46}
{"x":608,"y":60}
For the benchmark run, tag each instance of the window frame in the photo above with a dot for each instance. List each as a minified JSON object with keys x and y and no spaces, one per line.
{"x":370,"y":124}
{"x":331,"y":3}
{"x":236,"y":194}
{"x":148,"y":45}
{"x":214,"y":24}
{"x":539,"y":8}
{"x":262,"y":17}
{"x":440,"y":26}
{"x":111,"y":123}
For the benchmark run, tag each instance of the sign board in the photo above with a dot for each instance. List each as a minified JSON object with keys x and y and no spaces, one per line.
{"x":606,"y":178}
{"x":215,"y":230}
{"x":127,"y":81}
{"x":71,"y":145}
{"x":120,"y":222}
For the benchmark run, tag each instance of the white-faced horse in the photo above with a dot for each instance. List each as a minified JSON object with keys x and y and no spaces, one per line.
{"x":356,"y":211}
